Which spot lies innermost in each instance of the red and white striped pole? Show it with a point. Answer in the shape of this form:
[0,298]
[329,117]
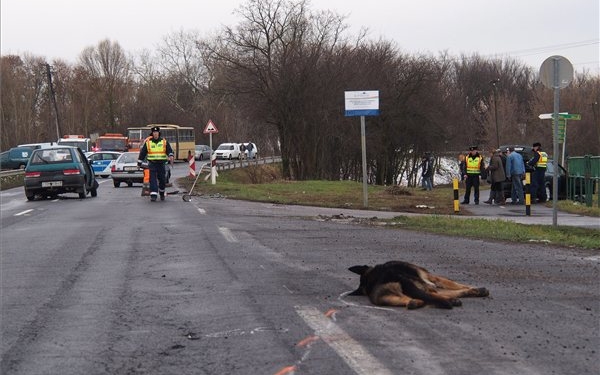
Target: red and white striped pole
[192,165]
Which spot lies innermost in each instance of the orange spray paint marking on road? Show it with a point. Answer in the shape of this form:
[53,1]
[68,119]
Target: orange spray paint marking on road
[307,341]
[286,370]
[331,314]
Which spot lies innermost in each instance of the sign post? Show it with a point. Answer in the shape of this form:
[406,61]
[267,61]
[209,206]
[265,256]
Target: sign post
[556,73]
[362,103]
[210,129]
[562,127]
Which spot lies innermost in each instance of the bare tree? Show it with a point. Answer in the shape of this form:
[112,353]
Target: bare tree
[108,71]
[22,101]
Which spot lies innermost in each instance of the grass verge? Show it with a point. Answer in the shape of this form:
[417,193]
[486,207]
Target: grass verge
[264,184]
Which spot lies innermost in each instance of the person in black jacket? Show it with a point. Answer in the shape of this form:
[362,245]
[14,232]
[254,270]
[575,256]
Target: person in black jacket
[427,172]
[157,151]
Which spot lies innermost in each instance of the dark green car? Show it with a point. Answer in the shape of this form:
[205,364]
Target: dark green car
[58,170]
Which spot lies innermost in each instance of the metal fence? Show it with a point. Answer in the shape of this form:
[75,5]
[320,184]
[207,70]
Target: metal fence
[584,178]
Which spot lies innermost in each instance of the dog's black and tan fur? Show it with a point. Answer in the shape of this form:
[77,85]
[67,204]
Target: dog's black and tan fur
[399,283]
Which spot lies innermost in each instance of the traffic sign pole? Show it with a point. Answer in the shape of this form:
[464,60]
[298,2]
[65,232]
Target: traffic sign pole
[209,129]
[556,73]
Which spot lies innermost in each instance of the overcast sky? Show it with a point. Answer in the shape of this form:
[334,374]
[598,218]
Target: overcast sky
[530,30]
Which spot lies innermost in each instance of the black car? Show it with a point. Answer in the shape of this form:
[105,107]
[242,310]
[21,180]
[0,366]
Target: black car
[58,170]
[527,154]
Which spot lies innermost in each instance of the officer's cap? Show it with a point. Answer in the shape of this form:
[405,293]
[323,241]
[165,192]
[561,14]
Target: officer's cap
[473,148]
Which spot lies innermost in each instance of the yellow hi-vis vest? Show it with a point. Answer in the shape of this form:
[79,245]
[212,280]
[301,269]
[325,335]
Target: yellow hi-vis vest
[543,160]
[156,151]
[473,164]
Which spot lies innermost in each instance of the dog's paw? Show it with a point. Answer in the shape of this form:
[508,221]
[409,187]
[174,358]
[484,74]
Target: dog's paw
[456,302]
[415,304]
[482,292]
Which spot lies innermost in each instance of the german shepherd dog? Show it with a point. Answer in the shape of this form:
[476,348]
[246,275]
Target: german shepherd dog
[399,283]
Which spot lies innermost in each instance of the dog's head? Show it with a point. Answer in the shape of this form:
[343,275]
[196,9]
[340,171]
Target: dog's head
[362,287]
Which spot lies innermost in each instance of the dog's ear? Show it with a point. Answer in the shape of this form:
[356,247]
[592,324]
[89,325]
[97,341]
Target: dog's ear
[360,270]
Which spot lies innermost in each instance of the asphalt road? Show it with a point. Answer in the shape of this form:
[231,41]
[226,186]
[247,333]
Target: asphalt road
[119,285]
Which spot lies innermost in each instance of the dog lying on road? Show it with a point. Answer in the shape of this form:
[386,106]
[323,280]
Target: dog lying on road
[399,283]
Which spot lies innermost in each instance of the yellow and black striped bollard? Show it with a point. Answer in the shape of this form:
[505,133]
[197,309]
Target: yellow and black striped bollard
[527,194]
[455,186]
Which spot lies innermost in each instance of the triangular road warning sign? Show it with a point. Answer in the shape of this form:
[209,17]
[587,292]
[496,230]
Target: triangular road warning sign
[210,128]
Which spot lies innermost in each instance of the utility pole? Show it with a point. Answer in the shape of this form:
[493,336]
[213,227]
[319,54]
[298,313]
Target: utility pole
[596,122]
[52,95]
[495,88]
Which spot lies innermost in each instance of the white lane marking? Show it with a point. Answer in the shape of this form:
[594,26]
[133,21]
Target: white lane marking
[227,234]
[23,212]
[359,359]
[594,258]
[202,211]
[342,299]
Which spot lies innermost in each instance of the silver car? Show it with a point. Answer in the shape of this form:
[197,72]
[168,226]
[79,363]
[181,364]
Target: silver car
[202,152]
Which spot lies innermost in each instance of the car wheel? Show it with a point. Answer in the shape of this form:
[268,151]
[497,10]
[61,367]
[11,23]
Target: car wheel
[94,192]
[83,194]
[30,197]
[130,184]
[116,183]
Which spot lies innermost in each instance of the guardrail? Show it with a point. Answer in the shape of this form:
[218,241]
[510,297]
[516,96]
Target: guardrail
[11,172]
[232,164]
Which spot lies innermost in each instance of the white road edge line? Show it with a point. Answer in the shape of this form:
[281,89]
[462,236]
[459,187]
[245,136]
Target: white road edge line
[202,211]
[227,234]
[357,357]
[23,212]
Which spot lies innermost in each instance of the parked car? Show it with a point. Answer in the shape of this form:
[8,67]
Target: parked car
[203,152]
[562,181]
[254,150]
[228,151]
[125,169]
[15,158]
[58,170]
[102,161]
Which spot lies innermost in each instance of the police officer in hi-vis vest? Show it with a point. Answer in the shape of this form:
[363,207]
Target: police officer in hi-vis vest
[157,151]
[539,161]
[471,172]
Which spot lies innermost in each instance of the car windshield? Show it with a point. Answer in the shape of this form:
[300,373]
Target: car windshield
[225,147]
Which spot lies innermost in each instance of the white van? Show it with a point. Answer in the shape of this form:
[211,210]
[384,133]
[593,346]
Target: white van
[228,151]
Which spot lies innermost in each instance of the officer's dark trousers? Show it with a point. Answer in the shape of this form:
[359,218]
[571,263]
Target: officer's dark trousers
[538,186]
[157,177]
[472,182]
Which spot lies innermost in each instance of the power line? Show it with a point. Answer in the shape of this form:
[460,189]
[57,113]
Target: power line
[546,49]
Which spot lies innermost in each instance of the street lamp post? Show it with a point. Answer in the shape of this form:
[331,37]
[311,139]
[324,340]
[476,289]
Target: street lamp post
[495,88]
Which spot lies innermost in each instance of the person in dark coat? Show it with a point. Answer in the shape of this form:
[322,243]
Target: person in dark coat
[427,172]
[497,178]
[539,161]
